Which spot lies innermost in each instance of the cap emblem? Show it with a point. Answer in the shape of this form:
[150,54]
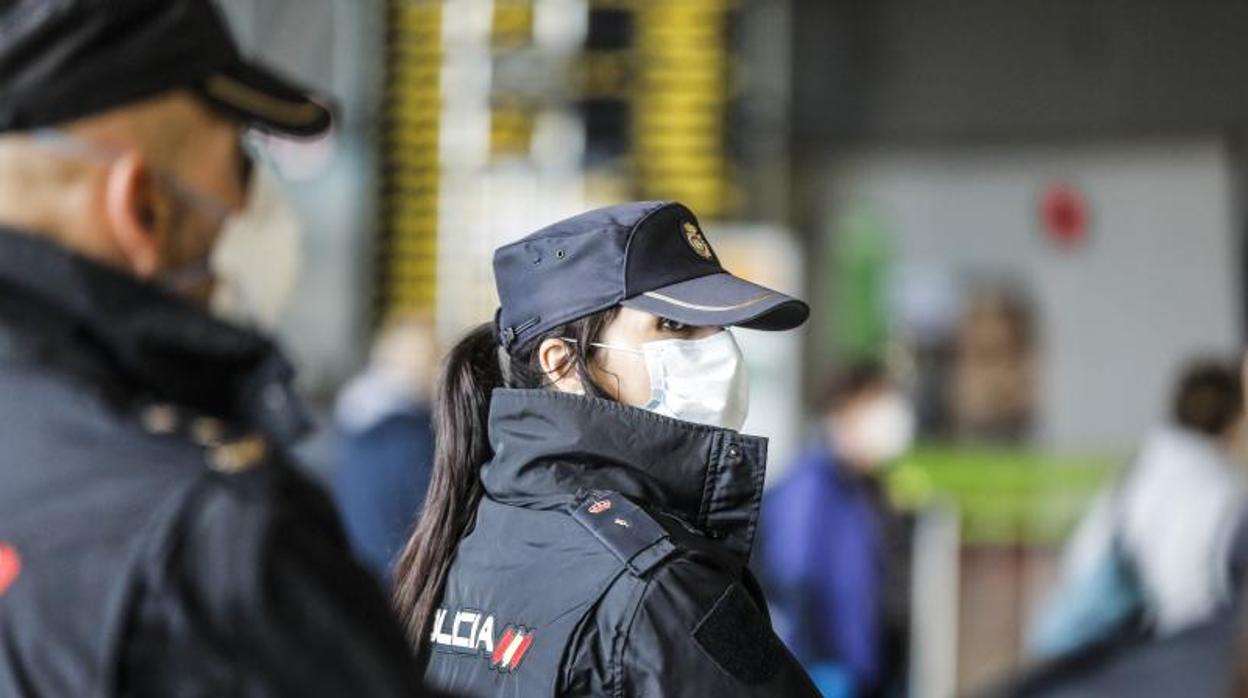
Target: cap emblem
[695,239]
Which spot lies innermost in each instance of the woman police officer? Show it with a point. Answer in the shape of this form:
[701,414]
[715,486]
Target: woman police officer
[593,505]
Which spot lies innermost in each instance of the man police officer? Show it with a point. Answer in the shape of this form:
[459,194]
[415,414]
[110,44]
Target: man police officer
[153,538]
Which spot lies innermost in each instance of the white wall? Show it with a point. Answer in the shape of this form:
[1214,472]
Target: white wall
[1157,282]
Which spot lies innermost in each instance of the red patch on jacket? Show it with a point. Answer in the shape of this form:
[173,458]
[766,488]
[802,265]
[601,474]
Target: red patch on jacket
[511,649]
[10,566]
[600,506]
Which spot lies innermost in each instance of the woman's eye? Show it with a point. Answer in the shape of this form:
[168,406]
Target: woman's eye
[672,325]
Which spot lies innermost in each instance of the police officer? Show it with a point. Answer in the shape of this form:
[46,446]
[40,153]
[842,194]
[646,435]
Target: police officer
[593,504]
[154,540]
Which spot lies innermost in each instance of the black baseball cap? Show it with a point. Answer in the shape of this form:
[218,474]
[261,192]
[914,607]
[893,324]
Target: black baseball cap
[65,59]
[648,255]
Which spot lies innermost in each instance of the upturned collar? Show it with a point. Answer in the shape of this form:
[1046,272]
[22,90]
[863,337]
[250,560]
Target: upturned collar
[550,446]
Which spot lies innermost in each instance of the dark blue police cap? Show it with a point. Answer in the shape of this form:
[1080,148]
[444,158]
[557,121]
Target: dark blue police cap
[65,59]
[649,255]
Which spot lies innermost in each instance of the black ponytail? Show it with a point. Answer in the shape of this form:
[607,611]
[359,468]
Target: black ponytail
[462,401]
[470,373]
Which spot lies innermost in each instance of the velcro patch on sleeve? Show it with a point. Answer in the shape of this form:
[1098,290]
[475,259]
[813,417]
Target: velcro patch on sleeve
[737,636]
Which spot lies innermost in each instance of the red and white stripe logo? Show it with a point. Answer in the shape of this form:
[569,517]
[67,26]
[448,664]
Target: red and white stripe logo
[471,633]
[10,566]
[511,648]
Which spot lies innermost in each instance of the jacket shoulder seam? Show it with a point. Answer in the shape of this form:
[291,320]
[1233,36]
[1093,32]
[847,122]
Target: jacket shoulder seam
[618,677]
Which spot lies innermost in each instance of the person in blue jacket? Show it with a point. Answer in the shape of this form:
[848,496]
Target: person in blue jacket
[828,540]
[384,442]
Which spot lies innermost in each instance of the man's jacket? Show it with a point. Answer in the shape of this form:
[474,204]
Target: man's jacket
[608,558]
[153,539]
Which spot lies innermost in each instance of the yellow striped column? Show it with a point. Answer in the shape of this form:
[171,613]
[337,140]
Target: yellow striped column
[411,158]
[681,103]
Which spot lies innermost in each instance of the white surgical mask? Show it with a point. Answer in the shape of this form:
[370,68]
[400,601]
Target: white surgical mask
[697,380]
[884,430]
[256,261]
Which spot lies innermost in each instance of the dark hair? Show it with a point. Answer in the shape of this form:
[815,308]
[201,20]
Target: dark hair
[852,381]
[1209,397]
[469,375]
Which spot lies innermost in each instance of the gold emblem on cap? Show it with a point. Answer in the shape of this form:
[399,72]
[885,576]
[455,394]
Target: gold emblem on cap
[695,239]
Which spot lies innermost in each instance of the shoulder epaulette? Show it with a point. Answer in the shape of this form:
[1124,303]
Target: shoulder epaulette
[626,529]
[224,451]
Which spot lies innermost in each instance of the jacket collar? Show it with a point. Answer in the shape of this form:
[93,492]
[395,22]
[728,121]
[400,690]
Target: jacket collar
[138,343]
[550,447]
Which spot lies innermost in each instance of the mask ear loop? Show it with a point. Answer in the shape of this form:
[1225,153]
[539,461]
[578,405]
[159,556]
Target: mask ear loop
[567,369]
[609,347]
[176,280]
[67,145]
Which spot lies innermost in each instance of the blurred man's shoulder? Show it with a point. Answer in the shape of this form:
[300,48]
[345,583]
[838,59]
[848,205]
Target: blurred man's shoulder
[63,440]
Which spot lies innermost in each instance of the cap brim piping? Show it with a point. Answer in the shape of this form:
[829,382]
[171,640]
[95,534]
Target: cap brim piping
[723,300]
[261,99]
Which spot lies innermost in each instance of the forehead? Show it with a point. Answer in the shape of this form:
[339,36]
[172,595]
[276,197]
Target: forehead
[640,324]
[631,319]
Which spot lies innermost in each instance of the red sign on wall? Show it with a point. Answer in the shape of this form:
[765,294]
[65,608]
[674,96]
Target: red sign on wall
[1064,215]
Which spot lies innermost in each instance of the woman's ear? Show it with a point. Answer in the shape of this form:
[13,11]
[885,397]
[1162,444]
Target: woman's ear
[130,210]
[559,366]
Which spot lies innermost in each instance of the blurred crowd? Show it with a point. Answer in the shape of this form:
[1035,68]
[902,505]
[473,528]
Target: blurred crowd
[1149,583]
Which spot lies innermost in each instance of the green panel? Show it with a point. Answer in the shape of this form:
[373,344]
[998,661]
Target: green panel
[861,258]
[1003,496]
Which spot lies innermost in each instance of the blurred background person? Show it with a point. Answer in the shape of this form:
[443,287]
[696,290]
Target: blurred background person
[833,554]
[1154,553]
[384,435]
[994,374]
[1151,600]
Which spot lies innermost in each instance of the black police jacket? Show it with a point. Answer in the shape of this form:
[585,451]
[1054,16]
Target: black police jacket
[608,558]
[153,539]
